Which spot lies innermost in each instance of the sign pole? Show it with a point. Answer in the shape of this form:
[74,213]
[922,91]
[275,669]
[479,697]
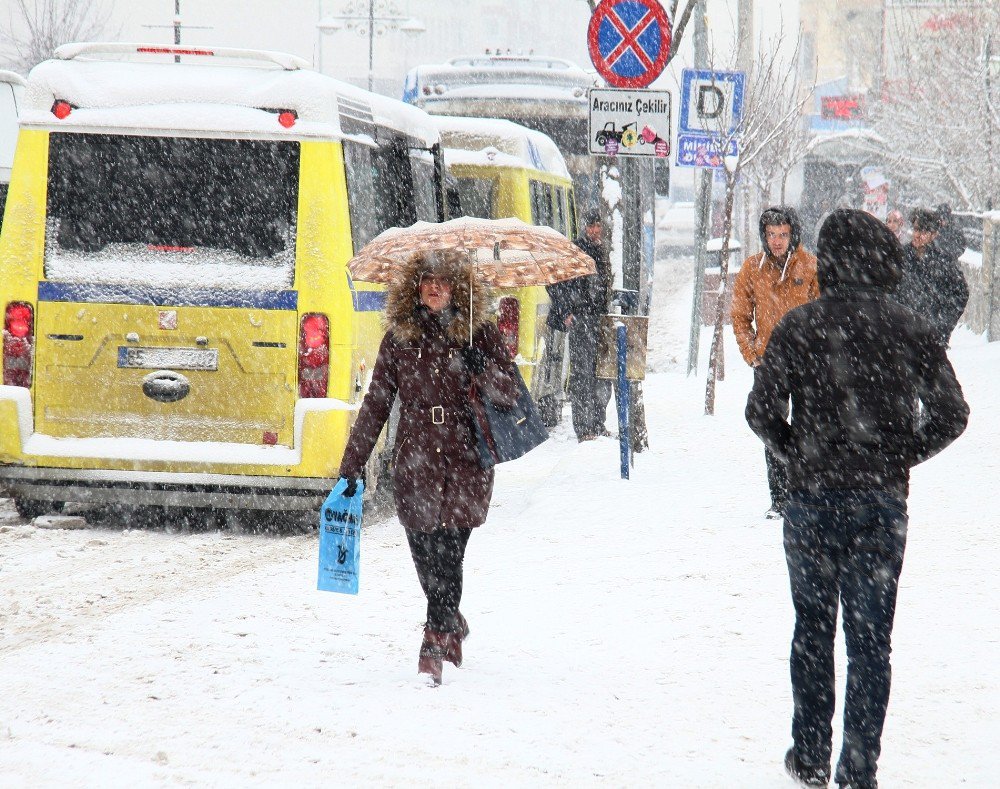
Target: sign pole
[629,44]
[624,429]
[703,198]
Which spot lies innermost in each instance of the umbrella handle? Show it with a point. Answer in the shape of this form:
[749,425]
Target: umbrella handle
[472,265]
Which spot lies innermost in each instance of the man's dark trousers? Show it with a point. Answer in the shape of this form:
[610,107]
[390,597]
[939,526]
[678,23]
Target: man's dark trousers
[777,476]
[588,394]
[843,546]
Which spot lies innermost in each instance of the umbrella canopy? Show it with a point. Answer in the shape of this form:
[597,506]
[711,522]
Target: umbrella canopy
[507,253]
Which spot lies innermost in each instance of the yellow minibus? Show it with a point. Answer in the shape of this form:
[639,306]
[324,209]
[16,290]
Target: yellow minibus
[179,325]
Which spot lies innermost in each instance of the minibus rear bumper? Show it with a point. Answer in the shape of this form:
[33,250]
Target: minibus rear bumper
[164,489]
[145,472]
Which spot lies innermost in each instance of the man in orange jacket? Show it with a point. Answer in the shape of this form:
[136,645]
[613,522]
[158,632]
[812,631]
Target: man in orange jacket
[767,286]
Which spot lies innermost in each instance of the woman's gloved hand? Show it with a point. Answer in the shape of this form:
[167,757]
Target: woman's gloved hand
[474,359]
[352,488]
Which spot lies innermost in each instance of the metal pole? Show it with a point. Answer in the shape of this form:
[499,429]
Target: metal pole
[992,331]
[319,36]
[371,43]
[703,205]
[624,429]
[177,27]
[989,120]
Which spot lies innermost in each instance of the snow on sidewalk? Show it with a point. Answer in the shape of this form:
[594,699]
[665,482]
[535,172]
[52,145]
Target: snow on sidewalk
[623,633]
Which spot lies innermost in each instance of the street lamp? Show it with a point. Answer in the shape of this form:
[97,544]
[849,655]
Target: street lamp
[369,18]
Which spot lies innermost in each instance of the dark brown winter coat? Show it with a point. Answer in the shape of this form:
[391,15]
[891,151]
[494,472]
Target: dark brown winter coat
[437,479]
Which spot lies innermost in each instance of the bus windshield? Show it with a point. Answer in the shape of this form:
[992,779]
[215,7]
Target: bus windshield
[171,211]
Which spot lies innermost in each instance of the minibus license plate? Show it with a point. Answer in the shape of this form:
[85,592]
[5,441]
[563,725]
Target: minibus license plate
[168,358]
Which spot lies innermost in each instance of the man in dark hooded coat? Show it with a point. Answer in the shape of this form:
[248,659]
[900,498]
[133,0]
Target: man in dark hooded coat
[872,394]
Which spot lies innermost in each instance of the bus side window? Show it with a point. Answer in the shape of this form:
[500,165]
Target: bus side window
[360,193]
[425,184]
[550,198]
[541,203]
[395,206]
[561,210]
[476,197]
[573,229]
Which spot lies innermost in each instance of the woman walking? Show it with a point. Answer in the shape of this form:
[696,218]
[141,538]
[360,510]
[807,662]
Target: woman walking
[441,491]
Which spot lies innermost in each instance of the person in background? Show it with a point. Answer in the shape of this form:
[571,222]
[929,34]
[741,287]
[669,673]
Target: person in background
[950,240]
[766,287]
[932,284]
[441,491]
[872,394]
[896,222]
[578,307]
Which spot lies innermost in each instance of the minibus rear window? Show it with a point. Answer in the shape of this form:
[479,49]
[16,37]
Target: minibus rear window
[171,211]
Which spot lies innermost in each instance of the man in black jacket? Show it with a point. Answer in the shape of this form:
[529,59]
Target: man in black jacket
[932,284]
[872,394]
[577,307]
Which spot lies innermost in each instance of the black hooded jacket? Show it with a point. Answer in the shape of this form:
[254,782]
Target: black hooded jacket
[855,364]
[585,296]
[933,286]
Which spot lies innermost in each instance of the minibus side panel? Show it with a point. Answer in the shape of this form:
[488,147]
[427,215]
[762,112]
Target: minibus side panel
[354,308]
[23,235]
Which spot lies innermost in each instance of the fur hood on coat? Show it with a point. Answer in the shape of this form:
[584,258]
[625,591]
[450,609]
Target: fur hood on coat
[403,313]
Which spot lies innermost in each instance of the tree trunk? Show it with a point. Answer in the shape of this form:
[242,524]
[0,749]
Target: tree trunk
[716,363]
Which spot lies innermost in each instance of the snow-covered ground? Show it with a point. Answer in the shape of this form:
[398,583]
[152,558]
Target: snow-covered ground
[624,633]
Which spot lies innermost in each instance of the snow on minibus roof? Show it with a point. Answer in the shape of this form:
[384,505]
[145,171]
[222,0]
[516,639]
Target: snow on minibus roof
[11,77]
[501,143]
[500,70]
[199,96]
[553,86]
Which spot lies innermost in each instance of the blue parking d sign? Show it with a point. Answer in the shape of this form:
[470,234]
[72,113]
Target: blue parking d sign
[711,101]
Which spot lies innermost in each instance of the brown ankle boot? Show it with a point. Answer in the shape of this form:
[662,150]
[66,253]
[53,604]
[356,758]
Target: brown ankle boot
[432,653]
[463,626]
[453,652]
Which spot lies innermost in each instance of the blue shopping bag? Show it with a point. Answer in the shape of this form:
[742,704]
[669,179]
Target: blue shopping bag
[340,540]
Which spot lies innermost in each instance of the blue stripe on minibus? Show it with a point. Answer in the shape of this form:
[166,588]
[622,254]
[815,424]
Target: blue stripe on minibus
[368,300]
[167,297]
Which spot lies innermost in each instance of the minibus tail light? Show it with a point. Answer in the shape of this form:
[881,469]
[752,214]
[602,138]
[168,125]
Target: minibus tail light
[509,323]
[314,355]
[287,118]
[61,109]
[18,344]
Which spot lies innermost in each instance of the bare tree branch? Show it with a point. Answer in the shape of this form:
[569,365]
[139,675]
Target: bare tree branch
[34,28]
[940,110]
[678,31]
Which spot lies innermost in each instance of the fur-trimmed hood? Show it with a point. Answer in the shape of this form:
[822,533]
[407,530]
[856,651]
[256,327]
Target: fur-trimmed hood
[404,315]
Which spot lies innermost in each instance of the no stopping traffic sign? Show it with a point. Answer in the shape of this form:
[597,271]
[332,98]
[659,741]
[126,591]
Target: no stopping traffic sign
[629,41]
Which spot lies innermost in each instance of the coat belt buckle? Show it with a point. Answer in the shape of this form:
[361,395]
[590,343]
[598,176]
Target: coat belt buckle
[437,414]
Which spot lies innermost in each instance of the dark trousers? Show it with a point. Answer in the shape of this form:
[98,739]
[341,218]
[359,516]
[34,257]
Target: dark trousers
[843,547]
[777,476]
[437,557]
[588,394]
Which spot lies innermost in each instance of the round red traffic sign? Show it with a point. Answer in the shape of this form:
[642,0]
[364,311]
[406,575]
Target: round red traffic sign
[629,41]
